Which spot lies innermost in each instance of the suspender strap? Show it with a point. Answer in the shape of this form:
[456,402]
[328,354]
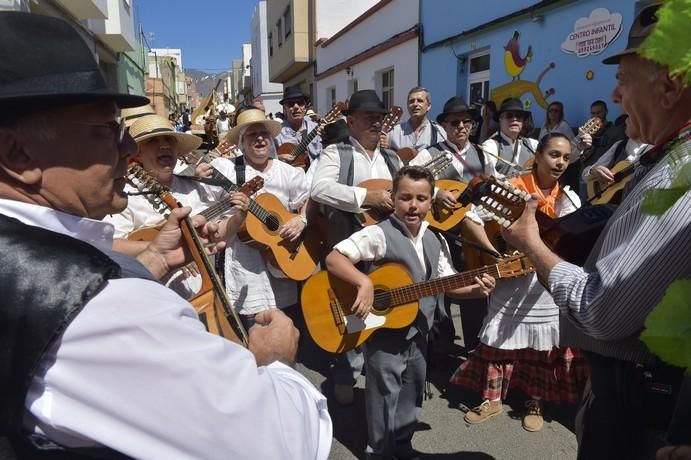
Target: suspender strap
[239,170]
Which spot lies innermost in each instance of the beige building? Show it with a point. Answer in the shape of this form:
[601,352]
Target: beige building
[291,36]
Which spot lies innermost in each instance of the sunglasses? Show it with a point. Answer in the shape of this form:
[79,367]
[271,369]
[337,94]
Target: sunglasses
[299,102]
[467,123]
[117,127]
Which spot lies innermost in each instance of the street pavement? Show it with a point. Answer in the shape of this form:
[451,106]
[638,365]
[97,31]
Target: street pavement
[441,433]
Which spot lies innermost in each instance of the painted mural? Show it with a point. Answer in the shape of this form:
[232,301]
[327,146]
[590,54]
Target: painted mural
[515,64]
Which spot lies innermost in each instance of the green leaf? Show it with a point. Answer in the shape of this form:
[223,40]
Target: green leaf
[657,201]
[668,327]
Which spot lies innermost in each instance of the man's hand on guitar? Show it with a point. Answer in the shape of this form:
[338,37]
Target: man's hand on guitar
[384,141]
[601,174]
[292,229]
[287,157]
[586,141]
[445,199]
[203,170]
[364,299]
[378,199]
[524,233]
[273,338]
[483,286]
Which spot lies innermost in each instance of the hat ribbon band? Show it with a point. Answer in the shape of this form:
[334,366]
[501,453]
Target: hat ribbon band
[154,131]
[77,82]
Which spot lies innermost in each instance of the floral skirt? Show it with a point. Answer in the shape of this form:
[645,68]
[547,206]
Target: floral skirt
[557,375]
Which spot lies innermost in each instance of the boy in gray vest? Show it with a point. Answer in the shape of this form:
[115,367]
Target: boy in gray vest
[395,358]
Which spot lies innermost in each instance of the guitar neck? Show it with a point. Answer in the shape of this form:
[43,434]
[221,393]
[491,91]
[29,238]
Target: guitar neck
[301,148]
[413,292]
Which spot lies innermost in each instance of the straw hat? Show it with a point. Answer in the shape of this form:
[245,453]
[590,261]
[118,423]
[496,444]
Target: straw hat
[150,126]
[250,117]
[131,115]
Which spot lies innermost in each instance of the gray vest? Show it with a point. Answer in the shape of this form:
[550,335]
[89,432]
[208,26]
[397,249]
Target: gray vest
[400,250]
[450,172]
[342,224]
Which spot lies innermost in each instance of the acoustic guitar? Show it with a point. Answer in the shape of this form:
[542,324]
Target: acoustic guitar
[297,259]
[298,152]
[211,303]
[571,236]
[326,301]
[446,219]
[599,193]
[211,214]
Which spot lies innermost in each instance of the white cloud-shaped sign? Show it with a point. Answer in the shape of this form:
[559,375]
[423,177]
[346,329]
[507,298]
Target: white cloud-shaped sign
[592,35]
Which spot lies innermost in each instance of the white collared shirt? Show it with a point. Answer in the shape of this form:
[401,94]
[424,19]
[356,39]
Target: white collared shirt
[137,372]
[506,152]
[325,186]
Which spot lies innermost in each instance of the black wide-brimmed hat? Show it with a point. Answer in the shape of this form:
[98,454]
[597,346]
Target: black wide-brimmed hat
[511,104]
[44,61]
[293,92]
[365,100]
[642,26]
[455,105]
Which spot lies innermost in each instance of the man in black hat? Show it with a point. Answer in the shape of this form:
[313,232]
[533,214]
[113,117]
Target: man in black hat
[96,359]
[507,150]
[340,169]
[627,404]
[295,124]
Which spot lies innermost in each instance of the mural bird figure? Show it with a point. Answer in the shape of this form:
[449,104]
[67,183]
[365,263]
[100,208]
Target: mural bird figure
[513,61]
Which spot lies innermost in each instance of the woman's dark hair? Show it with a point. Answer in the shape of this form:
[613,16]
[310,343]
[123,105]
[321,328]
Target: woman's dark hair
[561,112]
[415,173]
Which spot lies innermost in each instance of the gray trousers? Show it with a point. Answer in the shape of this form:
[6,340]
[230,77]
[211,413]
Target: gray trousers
[395,370]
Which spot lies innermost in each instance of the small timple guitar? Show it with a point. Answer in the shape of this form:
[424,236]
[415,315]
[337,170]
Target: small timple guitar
[298,152]
[211,302]
[571,237]
[326,301]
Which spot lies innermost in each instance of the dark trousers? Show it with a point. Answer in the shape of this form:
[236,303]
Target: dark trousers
[620,416]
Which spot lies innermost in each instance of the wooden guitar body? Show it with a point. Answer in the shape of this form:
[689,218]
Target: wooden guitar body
[611,193]
[145,233]
[210,311]
[326,303]
[374,216]
[302,160]
[406,154]
[473,257]
[298,260]
[444,219]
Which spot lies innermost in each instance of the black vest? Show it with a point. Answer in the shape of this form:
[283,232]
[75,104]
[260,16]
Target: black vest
[46,280]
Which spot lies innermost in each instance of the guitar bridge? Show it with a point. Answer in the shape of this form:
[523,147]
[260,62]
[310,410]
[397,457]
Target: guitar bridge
[337,312]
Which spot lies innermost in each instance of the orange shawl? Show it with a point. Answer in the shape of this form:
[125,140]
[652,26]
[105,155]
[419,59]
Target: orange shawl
[546,204]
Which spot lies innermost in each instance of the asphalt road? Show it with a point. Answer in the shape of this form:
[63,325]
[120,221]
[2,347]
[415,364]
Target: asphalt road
[442,434]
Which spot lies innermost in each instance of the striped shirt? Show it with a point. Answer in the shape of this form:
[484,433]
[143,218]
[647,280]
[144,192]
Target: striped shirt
[628,271]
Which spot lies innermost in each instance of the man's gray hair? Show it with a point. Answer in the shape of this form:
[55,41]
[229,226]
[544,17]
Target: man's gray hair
[421,89]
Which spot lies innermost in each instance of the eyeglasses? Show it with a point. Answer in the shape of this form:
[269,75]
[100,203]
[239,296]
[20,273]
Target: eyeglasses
[299,102]
[118,127]
[467,123]
[554,110]
[510,115]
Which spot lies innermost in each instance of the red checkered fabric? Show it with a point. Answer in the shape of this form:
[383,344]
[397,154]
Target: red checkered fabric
[557,375]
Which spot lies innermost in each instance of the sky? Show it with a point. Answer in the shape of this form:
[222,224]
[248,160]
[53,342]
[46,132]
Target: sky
[209,32]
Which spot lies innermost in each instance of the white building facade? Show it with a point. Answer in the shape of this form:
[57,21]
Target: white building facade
[371,52]
[259,63]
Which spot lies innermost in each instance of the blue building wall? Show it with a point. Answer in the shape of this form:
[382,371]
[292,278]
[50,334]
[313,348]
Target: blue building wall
[575,81]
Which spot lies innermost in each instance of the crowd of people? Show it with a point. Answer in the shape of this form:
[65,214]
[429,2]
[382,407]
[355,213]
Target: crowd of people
[108,349]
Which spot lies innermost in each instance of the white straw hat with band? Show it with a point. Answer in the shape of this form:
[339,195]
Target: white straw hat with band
[150,126]
[249,117]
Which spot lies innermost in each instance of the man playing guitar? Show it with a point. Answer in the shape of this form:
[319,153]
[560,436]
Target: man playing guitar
[295,125]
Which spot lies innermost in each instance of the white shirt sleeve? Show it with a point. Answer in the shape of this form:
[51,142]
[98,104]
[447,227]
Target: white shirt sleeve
[327,190]
[367,244]
[444,267]
[140,374]
[605,159]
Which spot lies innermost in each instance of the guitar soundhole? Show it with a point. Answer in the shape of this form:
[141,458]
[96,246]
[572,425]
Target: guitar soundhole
[272,223]
[382,300]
